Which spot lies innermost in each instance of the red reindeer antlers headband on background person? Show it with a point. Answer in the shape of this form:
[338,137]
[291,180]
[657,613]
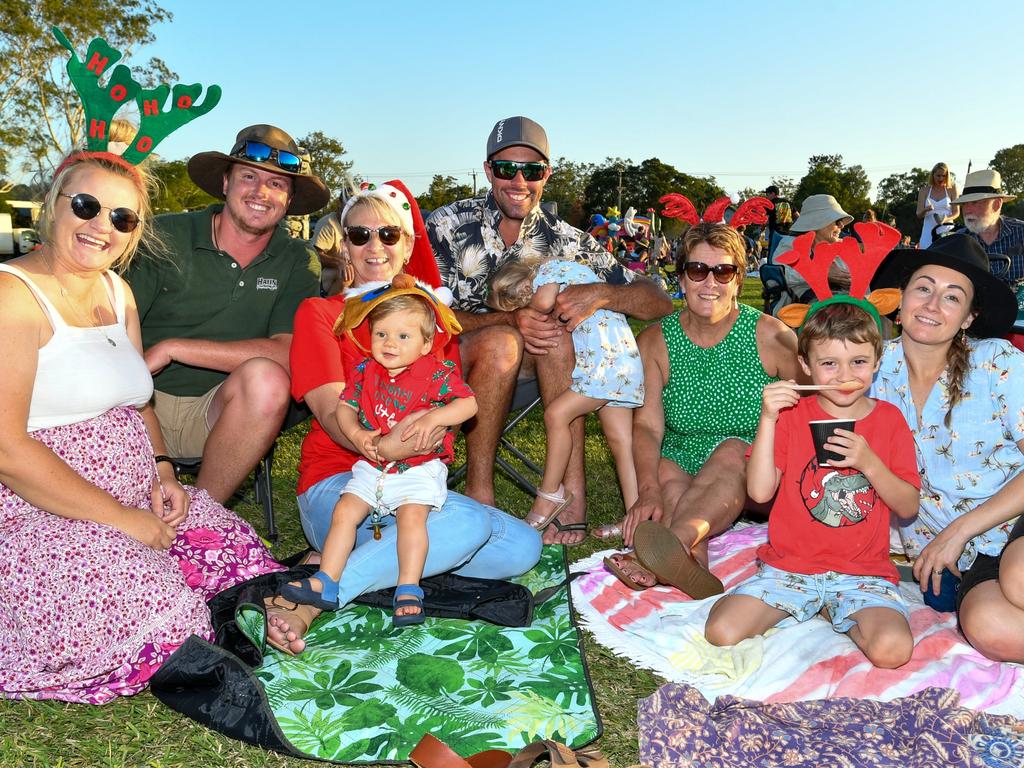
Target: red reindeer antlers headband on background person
[813,265]
[752,211]
[102,102]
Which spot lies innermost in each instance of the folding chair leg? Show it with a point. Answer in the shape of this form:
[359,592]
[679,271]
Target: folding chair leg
[524,485]
[264,492]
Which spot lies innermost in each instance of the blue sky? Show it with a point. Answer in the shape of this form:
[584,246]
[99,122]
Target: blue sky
[740,90]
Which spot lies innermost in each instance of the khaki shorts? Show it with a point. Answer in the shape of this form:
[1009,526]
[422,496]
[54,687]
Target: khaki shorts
[183,422]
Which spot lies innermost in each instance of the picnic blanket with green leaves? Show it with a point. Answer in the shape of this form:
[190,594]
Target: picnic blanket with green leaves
[364,692]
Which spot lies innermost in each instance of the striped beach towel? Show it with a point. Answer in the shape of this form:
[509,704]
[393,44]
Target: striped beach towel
[663,630]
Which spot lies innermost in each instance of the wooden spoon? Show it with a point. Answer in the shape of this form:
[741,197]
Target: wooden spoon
[846,386]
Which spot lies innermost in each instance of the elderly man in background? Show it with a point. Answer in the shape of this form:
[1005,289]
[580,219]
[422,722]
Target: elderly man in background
[471,240]
[981,204]
[217,308]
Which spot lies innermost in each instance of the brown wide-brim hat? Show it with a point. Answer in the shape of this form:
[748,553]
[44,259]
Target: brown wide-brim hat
[995,301]
[309,193]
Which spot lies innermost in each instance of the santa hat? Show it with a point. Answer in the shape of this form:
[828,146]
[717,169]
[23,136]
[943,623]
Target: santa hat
[421,263]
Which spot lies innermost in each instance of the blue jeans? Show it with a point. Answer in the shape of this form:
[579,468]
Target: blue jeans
[466,537]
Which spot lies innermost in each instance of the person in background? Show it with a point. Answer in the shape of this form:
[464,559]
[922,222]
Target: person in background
[935,204]
[982,203]
[822,215]
[329,243]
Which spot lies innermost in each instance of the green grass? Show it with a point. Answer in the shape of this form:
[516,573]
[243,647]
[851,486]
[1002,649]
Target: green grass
[139,731]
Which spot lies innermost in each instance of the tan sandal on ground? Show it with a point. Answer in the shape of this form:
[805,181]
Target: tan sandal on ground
[433,753]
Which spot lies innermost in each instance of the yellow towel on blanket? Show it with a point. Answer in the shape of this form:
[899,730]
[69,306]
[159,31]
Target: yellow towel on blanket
[699,657]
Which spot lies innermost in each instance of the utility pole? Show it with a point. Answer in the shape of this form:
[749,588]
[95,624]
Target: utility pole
[474,181]
[620,190]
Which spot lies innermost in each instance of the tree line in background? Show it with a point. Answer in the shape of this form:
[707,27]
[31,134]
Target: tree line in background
[41,119]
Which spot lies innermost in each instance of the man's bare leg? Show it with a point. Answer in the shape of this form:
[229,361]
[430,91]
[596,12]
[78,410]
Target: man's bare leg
[246,416]
[554,374]
[491,358]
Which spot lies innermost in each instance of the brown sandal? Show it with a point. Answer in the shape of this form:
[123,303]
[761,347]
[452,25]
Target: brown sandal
[618,572]
[433,753]
[660,551]
[300,618]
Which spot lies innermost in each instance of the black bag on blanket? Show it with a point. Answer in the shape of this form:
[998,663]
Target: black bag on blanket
[450,596]
[446,596]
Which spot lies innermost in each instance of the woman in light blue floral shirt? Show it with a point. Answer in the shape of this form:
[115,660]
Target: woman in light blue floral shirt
[964,400]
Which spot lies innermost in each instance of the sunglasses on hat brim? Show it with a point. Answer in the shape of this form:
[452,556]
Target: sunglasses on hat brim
[507,169]
[86,207]
[258,152]
[698,271]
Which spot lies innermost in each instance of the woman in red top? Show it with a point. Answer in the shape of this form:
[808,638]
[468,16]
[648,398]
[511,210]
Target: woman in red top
[383,235]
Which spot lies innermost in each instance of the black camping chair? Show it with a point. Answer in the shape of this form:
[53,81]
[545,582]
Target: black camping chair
[525,398]
[262,488]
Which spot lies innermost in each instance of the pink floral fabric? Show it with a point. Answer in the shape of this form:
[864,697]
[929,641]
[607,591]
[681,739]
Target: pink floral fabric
[88,613]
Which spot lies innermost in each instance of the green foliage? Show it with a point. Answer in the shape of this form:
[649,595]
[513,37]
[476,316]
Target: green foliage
[443,190]
[1010,164]
[473,640]
[340,688]
[428,675]
[40,114]
[177,192]
[643,185]
[826,175]
[566,187]
[897,198]
[325,158]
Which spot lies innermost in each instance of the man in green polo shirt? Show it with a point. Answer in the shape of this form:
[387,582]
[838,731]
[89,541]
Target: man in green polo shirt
[217,308]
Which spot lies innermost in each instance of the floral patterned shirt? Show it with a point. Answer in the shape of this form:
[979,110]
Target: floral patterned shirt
[469,248]
[963,466]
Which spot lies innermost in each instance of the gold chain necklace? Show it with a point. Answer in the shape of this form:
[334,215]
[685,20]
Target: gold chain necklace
[64,294]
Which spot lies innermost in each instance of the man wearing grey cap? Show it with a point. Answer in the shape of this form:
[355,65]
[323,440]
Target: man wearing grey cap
[472,239]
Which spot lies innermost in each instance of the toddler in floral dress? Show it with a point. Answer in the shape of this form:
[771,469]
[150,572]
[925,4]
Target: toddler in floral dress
[608,378]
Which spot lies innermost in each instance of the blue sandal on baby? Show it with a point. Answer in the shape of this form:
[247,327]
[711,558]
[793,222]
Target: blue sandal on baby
[413,595]
[304,594]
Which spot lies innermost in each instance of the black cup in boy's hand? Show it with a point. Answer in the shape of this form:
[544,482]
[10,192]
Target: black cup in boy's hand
[821,431]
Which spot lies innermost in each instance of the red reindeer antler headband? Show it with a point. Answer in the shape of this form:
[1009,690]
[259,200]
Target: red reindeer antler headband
[752,211]
[813,265]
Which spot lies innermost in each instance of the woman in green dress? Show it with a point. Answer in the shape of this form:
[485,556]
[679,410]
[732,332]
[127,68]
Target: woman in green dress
[704,369]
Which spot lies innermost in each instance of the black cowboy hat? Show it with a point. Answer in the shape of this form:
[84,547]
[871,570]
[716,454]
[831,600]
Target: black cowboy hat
[995,302]
[309,193]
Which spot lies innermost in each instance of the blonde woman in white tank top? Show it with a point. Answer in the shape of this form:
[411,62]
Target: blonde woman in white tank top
[935,202]
[106,560]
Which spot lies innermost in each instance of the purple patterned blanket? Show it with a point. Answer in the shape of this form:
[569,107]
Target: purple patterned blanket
[928,729]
